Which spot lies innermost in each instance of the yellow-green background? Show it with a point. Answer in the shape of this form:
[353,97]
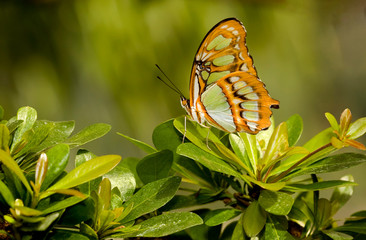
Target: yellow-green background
[93,61]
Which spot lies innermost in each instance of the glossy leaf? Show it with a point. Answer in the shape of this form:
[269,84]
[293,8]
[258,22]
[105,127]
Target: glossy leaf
[122,178]
[277,144]
[319,185]
[88,134]
[294,129]
[278,203]
[166,224]
[337,235]
[332,121]
[219,216]
[324,212]
[155,166]
[87,230]
[152,196]
[345,121]
[85,172]
[357,129]
[341,195]
[274,230]
[29,116]
[9,162]
[60,205]
[356,227]
[58,157]
[81,157]
[238,146]
[166,136]
[198,135]
[238,233]
[332,163]
[250,143]
[254,219]
[143,146]
[265,135]
[69,235]
[210,161]
[4,137]
[6,194]
[59,132]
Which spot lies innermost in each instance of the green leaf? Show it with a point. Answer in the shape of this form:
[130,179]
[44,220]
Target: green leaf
[9,162]
[81,157]
[58,156]
[166,136]
[274,230]
[332,163]
[59,132]
[319,185]
[332,121]
[238,146]
[69,235]
[278,203]
[87,230]
[194,171]
[198,135]
[294,129]
[29,117]
[143,146]
[130,163]
[167,224]
[152,196]
[218,216]
[238,233]
[208,160]
[277,145]
[356,227]
[122,178]
[88,134]
[228,231]
[4,137]
[32,139]
[324,213]
[269,186]
[254,219]
[85,172]
[341,195]
[6,194]
[357,129]
[155,166]
[61,205]
[250,143]
[265,135]
[337,235]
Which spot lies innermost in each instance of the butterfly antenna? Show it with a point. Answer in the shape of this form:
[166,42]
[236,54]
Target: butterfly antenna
[172,86]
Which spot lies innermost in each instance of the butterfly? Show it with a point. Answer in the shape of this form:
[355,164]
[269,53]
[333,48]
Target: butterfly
[225,90]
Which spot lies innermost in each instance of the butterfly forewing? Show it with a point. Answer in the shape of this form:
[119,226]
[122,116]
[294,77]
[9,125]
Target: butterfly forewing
[224,88]
[222,51]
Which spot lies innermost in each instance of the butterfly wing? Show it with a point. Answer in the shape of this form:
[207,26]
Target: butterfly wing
[243,105]
[238,102]
[222,51]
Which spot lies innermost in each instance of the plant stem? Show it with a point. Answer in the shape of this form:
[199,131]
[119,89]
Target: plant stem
[315,199]
[301,161]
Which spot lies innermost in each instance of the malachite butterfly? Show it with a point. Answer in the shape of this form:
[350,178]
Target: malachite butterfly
[225,90]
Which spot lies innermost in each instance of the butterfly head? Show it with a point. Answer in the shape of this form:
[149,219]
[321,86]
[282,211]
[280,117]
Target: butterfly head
[185,104]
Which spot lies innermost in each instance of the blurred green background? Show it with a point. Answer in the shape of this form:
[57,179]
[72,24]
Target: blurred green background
[93,61]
